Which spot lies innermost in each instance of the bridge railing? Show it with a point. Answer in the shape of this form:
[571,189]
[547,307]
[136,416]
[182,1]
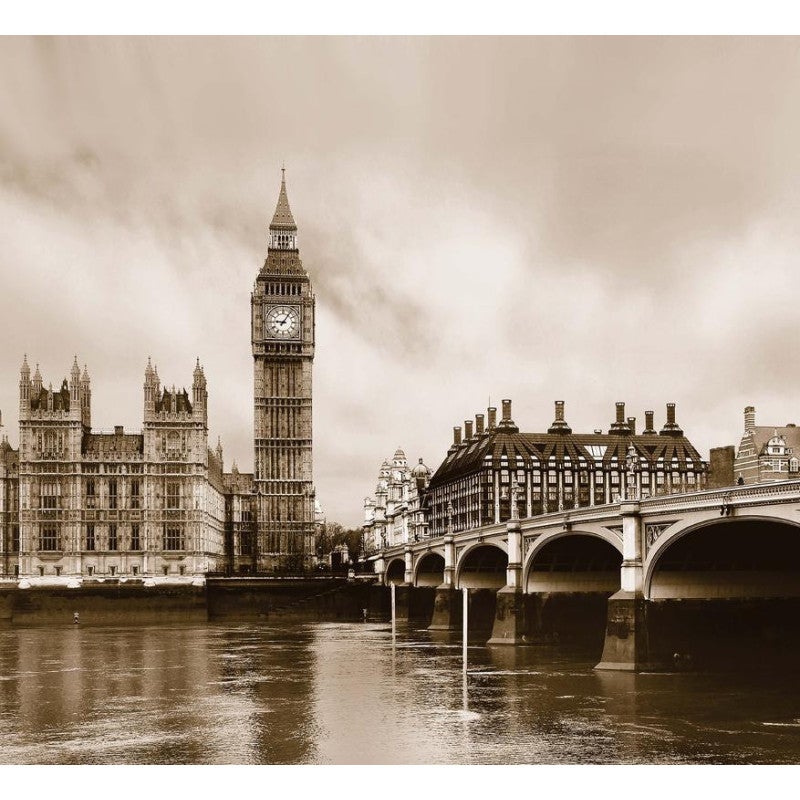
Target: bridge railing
[752,493]
[781,491]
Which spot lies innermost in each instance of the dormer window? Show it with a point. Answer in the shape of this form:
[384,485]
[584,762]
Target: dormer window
[776,446]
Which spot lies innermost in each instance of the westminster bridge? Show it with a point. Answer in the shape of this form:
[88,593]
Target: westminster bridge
[676,580]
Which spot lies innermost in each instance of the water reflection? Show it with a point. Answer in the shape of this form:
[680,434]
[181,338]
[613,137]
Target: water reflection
[359,693]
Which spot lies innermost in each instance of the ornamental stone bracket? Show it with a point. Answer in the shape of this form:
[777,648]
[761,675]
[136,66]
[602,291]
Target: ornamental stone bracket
[652,530]
[527,544]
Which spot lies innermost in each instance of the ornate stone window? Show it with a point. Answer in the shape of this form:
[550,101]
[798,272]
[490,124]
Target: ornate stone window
[48,537]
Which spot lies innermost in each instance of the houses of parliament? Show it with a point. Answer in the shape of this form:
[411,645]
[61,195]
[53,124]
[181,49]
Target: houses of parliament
[156,503]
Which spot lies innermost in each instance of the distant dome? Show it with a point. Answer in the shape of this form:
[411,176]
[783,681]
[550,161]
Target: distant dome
[399,455]
[420,471]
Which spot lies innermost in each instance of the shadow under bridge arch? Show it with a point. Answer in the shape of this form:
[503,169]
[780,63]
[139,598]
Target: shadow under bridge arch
[725,594]
[568,579]
[396,571]
[429,570]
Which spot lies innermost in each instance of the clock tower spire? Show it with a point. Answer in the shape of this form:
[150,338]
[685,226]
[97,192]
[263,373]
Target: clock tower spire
[282,328]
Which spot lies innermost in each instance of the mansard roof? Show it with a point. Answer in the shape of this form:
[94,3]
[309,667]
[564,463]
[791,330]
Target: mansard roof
[499,448]
[116,445]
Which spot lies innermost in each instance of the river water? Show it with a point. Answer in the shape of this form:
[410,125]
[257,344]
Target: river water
[354,693]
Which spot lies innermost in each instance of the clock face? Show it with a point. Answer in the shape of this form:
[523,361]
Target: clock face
[283,322]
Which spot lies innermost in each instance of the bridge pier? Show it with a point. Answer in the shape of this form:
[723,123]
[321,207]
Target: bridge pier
[625,646]
[380,569]
[447,609]
[509,616]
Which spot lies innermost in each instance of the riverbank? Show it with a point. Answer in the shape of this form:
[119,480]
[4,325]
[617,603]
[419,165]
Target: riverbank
[149,602]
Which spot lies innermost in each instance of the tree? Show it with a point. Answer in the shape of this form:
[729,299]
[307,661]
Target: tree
[334,534]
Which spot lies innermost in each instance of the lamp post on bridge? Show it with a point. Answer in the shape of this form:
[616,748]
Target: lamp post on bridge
[632,463]
[449,550]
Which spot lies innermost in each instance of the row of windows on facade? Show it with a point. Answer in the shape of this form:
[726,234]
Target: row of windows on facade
[777,465]
[50,491]
[172,536]
[112,570]
[283,240]
[52,442]
[475,500]
[284,288]
[570,477]
[89,468]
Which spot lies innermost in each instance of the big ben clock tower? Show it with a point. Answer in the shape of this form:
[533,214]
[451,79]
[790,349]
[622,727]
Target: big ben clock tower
[282,309]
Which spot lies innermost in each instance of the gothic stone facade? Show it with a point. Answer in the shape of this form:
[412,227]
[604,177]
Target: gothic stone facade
[96,504]
[282,315]
[77,503]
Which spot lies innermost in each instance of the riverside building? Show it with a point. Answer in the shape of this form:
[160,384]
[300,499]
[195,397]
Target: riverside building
[556,470]
[397,513]
[77,503]
[767,452]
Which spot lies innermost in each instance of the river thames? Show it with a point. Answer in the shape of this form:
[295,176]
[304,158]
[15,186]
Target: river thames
[356,694]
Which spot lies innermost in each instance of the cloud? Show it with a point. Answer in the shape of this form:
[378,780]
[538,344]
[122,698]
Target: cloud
[591,219]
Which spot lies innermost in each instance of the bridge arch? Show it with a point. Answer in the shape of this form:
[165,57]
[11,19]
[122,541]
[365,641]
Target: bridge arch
[395,571]
[429,569]
[608,556]
[742,556]
[482,565]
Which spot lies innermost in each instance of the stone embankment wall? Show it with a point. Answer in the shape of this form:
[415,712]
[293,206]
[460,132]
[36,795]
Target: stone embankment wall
[320,600]
[104,604]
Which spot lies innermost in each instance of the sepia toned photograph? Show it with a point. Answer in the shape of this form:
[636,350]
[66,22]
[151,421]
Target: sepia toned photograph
[399,400]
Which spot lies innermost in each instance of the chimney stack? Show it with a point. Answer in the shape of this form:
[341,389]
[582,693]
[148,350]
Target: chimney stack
[620,426]
[456,435]
[648,423]
[749,419]
[559,423]
[507,424]
[632,425]
[492,417]
[671,428]
[479,424]
[467,428]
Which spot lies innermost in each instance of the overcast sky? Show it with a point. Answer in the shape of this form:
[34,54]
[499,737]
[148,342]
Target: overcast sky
[588,220]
